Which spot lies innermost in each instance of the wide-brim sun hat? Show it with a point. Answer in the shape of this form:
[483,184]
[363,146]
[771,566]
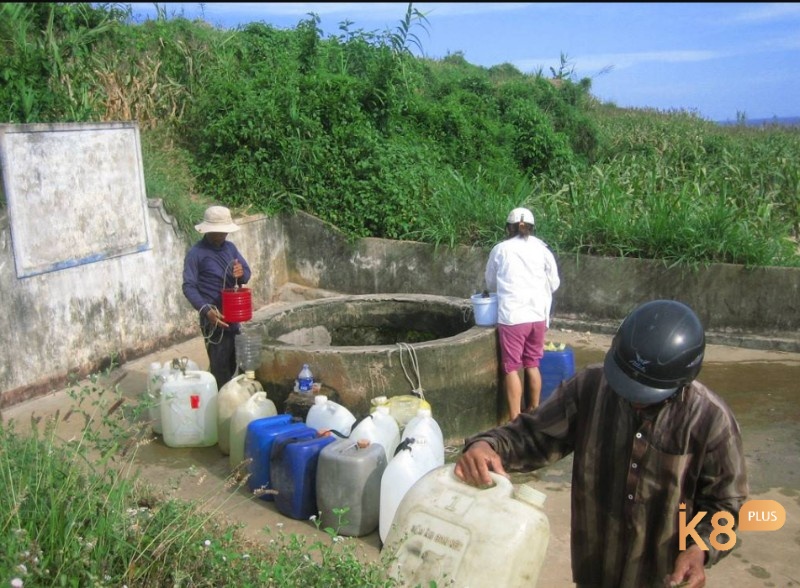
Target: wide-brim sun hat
[520,215]
[217,219]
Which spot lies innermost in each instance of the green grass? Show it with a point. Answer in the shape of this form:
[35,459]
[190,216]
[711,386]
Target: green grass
[72,513]
[354,129]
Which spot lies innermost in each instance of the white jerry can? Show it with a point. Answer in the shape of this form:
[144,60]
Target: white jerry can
[189,409]
[232,395]
[449,532]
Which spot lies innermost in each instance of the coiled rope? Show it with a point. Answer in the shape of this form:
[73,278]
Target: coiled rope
[209,339]
[416,389]
[466,312]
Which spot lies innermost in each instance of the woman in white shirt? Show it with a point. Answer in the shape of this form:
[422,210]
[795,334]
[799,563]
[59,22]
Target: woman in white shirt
[523,272]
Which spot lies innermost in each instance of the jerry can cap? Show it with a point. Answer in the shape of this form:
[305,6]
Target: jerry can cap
[531,495]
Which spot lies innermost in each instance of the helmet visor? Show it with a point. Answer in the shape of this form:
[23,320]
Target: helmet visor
[631,389]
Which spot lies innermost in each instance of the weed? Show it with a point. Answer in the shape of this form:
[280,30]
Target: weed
[73,512]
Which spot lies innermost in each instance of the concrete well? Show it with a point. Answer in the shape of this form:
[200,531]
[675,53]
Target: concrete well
[363,346]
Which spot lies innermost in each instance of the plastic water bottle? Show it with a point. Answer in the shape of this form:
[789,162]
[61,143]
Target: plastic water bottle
[305,379]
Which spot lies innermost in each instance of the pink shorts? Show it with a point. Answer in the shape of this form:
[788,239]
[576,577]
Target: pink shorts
[521,345]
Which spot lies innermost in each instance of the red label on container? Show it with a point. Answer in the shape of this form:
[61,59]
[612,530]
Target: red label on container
[195,400]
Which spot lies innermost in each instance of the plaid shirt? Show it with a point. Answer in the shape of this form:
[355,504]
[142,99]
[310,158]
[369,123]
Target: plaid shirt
[632,470]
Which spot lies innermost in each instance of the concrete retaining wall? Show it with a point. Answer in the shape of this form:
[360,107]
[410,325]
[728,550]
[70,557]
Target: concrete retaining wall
[757,308]
[72,318]
[73,321]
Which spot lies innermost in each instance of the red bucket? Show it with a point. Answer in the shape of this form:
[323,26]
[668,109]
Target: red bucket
[237,305]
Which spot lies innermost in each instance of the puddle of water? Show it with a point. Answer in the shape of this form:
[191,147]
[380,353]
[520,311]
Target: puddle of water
[760,393]
[763,395]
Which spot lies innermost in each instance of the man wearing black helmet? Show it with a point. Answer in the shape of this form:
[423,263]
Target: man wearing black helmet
[647,438]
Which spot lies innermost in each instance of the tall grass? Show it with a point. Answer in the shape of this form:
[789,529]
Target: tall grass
[169,177]
[682,191]
[73,513]
[469,209]
[356,130]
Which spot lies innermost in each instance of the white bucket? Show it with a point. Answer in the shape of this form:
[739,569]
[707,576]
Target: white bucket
[450,532]
[484,309]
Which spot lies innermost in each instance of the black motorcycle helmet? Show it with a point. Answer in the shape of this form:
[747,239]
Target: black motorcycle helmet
[656,351]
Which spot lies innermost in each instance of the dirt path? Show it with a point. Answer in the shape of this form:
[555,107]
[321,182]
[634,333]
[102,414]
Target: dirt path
[772,445]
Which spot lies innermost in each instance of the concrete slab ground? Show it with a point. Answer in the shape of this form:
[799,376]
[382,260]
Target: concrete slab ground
[202,474]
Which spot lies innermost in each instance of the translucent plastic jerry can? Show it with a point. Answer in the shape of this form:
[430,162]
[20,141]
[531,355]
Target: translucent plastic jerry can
[155,379]
[415,457]
[327,415]
[425,426]
[156,376]
[189,409]
[379,427]
[236,392]
[403,407]
[452,533]
[349,477]
[257,406]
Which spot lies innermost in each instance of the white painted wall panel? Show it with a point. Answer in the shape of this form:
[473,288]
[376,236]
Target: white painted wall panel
[81,185]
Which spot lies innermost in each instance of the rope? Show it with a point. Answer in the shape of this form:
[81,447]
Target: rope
[416,390]
[466,312]
[209,339]
[225,275]
[180,363]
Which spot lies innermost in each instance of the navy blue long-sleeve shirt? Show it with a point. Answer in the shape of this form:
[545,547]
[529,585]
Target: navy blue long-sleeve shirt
[207,269]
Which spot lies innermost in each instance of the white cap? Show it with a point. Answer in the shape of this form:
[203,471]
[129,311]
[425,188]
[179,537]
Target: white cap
[520,215]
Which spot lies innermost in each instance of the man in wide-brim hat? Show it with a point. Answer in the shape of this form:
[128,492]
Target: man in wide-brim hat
[210,266]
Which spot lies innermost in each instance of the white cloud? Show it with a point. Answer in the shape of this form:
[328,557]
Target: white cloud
[357,11]
[471,8]
[770,12]
[590,63]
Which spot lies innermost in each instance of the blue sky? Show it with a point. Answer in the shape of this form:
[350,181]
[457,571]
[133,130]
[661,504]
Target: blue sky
[715,59]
